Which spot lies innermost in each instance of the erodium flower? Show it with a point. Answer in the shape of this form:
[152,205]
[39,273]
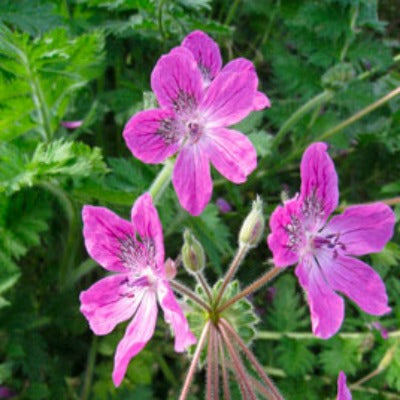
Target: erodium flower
[193,121]
[324,250]
[208,56]
[343,390]
[134,251]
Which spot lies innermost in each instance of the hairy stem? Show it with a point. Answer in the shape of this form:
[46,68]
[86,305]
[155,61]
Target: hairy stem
[189,293]
[239,256]
[238,367]
[214,346]
[212,368]
[162,180]
[225,374]
[360,114]
[195,360]
[200,278]
[231,12]
[250,356]
[271,274]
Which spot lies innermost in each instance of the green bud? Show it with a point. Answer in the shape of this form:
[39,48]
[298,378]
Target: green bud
[253,226]
[193,257]
[338,76]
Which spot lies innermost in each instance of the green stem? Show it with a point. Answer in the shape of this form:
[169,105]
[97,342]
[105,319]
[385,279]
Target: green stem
[359,115]
[297,115]
[89,369]
[39,101]
[73,226]
[267,335]
[169,375]
[231,12]
[160,19]
[350,37]
[162,180]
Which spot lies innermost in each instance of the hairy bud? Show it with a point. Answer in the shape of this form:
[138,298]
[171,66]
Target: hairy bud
[170,268]
[193,257]
[253,226]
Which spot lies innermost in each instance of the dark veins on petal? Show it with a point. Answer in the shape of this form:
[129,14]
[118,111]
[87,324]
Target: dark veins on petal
[184,103]
[135,254]
[168,131]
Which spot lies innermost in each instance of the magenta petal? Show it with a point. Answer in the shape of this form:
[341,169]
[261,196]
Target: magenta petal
[319,185]
[326,307]
[284,231]
[176,80]
[109,302]
[229,98]
[192,180]
[206,52]
[147,223]
[261,101]
[343,390]
[363,229]
[358,281]
[232,154]
[174,316]
[103,232]
[152,135]
[138,333]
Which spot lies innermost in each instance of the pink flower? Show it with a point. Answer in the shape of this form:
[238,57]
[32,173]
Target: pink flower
[193,121]
[135,252]
[343,390]
[324,250]
[223,206]
[71,124]
[208,56]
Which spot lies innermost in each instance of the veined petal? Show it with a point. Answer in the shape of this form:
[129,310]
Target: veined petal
[110,301]
[104,234]
[363,229]
[232,154]
[174,316]
[358,281]
[326,307]
[176,81]
[138,333]
[343,390]
[229,98]
[152,135]
[191,179]
[319,185]
[147,223]
[240,64]
[286,239]
[206,52]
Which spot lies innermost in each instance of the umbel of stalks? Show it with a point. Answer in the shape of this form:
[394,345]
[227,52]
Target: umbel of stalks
[193,257]
[253,226]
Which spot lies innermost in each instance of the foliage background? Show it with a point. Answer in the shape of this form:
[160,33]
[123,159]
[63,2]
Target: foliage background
[90,60]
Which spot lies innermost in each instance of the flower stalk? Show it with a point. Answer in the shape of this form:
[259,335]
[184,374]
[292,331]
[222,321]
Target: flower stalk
[162,180]
[271,274]
[195,360]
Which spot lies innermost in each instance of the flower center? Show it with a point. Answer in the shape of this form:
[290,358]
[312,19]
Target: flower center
[330,242]
[194,131]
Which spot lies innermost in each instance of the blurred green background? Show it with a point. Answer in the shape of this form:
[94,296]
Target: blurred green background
[326,66]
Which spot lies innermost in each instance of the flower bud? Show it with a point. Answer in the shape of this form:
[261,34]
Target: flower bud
[193,257]
[170,268]
[253,226]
